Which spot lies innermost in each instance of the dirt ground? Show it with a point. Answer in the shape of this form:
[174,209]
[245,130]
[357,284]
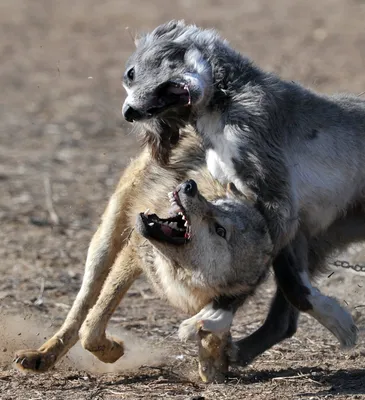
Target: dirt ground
[63,145]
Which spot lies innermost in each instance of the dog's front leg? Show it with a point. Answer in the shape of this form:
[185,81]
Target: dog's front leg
[214,353]
[291,256]
[215,317]
[280,324]
[211,328]
[92,334]
[111,236]
[291,273]
[103,249]
[295,293]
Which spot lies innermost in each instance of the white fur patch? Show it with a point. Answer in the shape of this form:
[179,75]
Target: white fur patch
[331,315]
[130,97]
[225,147]
[208,319]
[195,60]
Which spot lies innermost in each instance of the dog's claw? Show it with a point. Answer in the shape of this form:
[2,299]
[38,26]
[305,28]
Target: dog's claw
[34,361]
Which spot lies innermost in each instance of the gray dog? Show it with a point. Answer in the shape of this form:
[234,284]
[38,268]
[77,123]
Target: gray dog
[300,152]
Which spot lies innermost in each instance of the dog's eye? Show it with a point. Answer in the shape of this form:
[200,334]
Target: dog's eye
[220,231]
[130,74]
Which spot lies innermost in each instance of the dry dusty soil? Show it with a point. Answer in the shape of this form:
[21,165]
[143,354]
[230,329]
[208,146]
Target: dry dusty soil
[63,145]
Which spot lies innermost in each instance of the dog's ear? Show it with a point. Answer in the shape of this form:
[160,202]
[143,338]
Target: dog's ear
[248,196]
[170,30]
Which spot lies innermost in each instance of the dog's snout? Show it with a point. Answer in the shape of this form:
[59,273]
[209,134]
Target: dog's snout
[190,188]
[131,114]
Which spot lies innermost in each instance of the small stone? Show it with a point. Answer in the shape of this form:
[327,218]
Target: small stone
[319,34]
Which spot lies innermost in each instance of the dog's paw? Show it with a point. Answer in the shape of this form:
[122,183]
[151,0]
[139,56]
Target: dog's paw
[188,330]
[344,328]
[34,361]
[336,319]
[208,319]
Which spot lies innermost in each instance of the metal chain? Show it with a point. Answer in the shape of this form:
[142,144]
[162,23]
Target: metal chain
[347,265]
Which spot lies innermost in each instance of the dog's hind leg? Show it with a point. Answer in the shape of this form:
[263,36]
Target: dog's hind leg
[106,243]
[92,334]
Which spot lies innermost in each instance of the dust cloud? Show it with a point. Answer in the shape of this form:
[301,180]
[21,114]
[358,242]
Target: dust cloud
[22,332]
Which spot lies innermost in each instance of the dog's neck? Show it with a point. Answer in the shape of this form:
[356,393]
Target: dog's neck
[242,94]
[243,101]
[231,73]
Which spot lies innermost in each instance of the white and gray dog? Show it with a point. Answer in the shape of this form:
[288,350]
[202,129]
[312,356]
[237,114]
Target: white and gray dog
[300,152]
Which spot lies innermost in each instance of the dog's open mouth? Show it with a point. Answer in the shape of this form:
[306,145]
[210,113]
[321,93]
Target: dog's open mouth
[168,95]
[174,230]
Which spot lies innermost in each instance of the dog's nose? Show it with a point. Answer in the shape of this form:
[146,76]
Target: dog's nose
[190,188]
[131,114]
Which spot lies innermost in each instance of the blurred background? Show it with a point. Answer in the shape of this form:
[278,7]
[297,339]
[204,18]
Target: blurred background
[63,142]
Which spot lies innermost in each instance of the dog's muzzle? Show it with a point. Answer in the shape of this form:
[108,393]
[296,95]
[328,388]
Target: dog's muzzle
[170,95]
[189,188]
[131,114]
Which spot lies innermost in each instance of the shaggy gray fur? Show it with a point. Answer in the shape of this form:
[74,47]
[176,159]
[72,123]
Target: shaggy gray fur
[301,152]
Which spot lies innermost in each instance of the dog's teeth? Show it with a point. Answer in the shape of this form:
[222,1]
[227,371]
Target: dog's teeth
[186,223]
[147,211]
[170,194]
[183,217]
[151,224]
[180,213]
[173,203]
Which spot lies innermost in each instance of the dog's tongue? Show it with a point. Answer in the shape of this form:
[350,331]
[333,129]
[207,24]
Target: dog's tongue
[166,230]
